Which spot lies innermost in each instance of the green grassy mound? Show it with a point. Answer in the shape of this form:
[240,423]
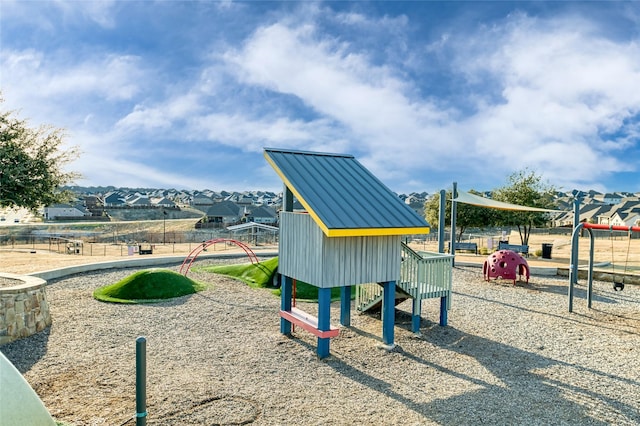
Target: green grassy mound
[149,286]
[256,275]
[261,275]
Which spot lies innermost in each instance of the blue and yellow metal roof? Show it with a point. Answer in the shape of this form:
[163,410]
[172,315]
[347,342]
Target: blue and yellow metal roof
[343,197]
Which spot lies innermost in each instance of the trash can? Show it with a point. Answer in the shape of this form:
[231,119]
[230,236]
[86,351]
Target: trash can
[546,250]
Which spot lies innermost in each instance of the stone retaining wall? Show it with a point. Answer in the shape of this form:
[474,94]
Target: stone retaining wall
[23,307]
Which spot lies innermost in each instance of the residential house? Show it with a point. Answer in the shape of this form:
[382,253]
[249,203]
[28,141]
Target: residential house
[61,211]
[264,215]
[139,200]
[625,219]
[163,202]
[224,213]
[612,198]
[92,202]
[202,202]
[114,199]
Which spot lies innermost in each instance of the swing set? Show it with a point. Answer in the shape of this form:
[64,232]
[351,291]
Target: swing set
[618,285]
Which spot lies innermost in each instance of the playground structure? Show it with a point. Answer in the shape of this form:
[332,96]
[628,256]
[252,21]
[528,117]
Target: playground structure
[506,265]
[191,257]
[573,266]
[342,240]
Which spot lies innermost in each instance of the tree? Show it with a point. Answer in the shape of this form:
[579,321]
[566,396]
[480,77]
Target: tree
[31,163]
[525,188]
[467,215]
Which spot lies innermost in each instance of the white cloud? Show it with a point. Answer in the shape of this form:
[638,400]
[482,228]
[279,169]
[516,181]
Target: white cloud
[163,116]
[252,135]
[556,95]
[562,87]
[375,106]
[61,91]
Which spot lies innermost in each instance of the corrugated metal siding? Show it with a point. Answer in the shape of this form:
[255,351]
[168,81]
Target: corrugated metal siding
[300,248]
[357,260]
[308,255]
[341,192]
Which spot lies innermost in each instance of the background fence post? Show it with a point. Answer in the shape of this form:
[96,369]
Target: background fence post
[141,381]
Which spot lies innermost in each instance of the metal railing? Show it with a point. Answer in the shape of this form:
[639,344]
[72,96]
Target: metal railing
[423,275]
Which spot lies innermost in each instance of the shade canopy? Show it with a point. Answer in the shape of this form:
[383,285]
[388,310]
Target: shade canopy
[476,200]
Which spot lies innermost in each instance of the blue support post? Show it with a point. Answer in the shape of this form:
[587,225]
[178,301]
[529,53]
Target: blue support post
[388,312]
[345,305]
[286,286]
[324,320]
[444,306]
[415,317]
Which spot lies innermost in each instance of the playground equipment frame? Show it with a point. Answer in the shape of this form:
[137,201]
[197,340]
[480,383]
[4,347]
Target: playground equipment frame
[573,266]
[191,257]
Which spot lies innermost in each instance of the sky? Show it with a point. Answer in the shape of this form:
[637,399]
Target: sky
[186,94]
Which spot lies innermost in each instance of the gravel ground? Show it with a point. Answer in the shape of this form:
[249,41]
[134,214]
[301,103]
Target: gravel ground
[510,355]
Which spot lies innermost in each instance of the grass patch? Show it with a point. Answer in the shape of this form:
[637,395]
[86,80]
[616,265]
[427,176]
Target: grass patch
[148,286]
[260,275]
[256,275]
[309,293]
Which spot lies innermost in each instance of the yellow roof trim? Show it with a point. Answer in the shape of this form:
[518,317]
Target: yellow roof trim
[375,232]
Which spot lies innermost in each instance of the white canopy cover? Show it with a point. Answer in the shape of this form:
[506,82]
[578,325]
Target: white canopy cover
[476,200]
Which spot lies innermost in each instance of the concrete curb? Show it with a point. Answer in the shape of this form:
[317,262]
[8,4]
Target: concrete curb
[133,263]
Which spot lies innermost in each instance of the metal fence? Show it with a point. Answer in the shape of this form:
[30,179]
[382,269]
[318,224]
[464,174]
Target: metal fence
[115,243]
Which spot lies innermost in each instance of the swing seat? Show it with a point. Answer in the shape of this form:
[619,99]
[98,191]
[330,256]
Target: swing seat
[619,285]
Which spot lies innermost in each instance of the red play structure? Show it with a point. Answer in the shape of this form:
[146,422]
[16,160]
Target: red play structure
[188,261]
[505,264]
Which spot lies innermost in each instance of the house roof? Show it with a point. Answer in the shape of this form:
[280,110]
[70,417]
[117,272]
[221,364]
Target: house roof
[262,211]
[223,209]
[342,196]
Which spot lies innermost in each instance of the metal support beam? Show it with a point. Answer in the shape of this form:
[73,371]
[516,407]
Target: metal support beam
[141,381]
[574,253]
[416,315]
[287,199]
[345,305]
[388,312]
[441,220]
[444,306]
[573,266]
[454,194]
[286,291]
